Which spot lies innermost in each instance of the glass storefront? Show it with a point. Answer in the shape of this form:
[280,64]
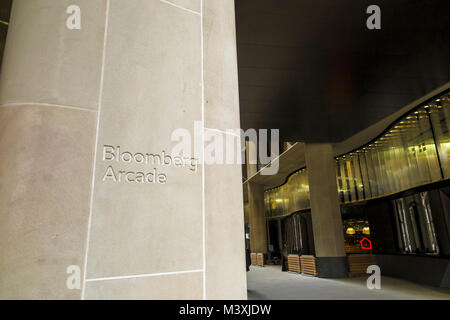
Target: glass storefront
[357,235]
[414,223]
[402,172]
[412,152]
[298,235]
[289,197]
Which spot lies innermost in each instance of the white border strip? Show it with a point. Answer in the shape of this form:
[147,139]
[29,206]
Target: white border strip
[203,151]
[180,7]
[100,97]
[144,275]
[42,104]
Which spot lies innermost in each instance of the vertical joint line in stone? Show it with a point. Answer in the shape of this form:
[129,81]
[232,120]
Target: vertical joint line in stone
[203,152]
[99,109]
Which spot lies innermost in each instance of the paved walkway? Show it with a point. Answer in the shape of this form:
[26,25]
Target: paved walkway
[272,284]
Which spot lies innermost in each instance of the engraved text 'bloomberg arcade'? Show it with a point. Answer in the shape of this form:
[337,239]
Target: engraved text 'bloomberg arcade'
[114,155]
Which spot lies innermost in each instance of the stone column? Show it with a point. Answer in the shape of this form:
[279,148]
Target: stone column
[280,234]
[325,211]
[258,226]
[256,210]
[87,178]
[49,96]
[225,264]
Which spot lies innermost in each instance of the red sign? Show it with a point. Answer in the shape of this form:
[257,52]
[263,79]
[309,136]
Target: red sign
[366,244]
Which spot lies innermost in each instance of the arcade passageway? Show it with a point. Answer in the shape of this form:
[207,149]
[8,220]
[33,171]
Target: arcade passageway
[109,110]
[270,283]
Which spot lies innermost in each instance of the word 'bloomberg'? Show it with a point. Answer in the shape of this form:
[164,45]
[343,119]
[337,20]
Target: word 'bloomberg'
[111,153]
[115,155]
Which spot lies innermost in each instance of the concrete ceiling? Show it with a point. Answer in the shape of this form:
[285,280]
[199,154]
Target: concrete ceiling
[288,162]
[294,158]
[312,68]
[5,9]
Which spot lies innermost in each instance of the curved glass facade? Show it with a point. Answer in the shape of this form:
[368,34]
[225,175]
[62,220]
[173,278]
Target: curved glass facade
[289,197]
[413,151]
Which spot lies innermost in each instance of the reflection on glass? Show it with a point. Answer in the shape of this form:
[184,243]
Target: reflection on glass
[414,151]
[439,111]
[405,156]
[355,230]
[290,197]
[415,225]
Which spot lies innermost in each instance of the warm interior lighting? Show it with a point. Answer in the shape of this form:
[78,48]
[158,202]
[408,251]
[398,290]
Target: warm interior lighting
[366,230]
[350,231]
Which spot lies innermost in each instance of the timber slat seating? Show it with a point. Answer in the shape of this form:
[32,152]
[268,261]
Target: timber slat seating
[260,259]
[308,265]
[294,263]
[358,263]
[253,259]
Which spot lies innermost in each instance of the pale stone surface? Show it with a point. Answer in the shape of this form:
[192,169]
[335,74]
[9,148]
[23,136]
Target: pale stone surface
[165,92]
[45,178]
[46,62]
[155,288]
[220,65]
[325,209]
[225,236]
[152,87]
[193,5]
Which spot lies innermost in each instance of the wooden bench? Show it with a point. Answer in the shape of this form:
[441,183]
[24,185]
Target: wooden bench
[294,263]
[260,259]
[253,259]
[358,263]
[308,265]
[354,249]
